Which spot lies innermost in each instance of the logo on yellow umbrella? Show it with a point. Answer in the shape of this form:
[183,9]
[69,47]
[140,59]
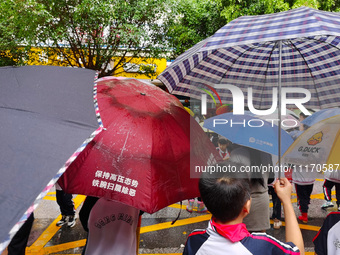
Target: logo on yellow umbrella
[315,139]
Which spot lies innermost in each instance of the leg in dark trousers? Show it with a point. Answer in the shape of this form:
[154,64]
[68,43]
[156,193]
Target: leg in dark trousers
[65,203]
[327,190]
[303,193]
[18,244]
[276,204]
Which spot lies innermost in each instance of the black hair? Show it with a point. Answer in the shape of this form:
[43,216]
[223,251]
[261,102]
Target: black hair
[255,160]
[303,115]
[224,195]
[223,141]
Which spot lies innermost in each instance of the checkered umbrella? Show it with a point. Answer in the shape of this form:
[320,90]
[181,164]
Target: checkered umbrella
[247,53]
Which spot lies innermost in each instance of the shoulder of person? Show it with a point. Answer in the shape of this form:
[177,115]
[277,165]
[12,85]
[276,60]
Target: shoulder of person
[265,242]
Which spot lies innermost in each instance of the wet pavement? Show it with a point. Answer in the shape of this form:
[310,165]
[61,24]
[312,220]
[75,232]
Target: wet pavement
[158,235]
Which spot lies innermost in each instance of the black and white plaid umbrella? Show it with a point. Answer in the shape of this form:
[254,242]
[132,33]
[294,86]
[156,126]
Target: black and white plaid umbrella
[247,53]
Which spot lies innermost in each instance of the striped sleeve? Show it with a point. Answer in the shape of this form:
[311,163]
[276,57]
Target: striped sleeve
[261,244]
[320,239]
[195,240]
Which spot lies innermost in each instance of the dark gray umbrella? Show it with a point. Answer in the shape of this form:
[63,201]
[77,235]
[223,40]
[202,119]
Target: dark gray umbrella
[47,113]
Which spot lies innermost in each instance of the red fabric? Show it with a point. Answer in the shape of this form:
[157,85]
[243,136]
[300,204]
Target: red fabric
[234,233]
[150,146]
[288,174]
[200,232]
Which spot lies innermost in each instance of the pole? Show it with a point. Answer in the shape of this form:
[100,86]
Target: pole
[279,112]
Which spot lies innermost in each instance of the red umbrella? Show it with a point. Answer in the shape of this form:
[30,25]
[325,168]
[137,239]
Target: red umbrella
[148,148]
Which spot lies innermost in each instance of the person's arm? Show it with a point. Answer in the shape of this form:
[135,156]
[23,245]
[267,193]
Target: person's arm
[85,211]
[283,188]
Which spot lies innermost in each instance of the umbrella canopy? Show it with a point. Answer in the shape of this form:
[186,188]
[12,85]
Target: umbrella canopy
[47,113]
[265,62]
[147,153]
[298,48]
[321,115]
[249,131]
[189,111]
[317,148]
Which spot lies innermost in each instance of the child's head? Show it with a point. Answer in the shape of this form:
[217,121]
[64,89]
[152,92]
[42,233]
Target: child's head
[302,116]
[225,195]
[223,144]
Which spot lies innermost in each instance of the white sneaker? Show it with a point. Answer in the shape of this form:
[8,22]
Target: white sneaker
[71,221]
[277,224]
[327,204]
[62,221]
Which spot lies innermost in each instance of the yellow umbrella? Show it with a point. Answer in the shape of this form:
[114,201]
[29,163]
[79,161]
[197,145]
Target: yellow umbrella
[189,111]
[317,148]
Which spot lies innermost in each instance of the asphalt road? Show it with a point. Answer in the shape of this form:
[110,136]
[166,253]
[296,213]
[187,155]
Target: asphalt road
[157,236]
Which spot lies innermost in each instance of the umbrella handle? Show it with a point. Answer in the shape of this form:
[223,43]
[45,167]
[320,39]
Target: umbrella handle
[173,222]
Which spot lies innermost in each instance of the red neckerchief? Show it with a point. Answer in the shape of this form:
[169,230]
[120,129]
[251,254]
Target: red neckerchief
[234,233]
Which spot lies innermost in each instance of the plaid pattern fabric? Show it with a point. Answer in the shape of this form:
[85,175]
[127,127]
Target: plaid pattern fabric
[245,53]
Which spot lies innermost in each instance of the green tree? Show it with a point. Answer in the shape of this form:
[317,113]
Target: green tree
[10,54]
[329,5]
[195,21]
[88,33]
[233,9]
[308,3]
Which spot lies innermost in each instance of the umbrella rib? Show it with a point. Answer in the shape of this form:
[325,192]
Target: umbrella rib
[227,70]
[270,56]
[319,41]
[311,74]
[16,109]
[36,113]
[250,48]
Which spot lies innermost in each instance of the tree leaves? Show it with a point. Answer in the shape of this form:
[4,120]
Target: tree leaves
[87,33]
[90,33]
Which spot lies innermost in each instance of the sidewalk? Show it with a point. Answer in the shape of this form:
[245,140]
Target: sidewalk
[158,236]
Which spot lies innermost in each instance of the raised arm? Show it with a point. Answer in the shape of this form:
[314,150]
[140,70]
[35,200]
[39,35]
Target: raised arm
[283,189]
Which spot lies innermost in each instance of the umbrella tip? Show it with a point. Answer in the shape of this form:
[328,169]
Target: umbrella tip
[143,94]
